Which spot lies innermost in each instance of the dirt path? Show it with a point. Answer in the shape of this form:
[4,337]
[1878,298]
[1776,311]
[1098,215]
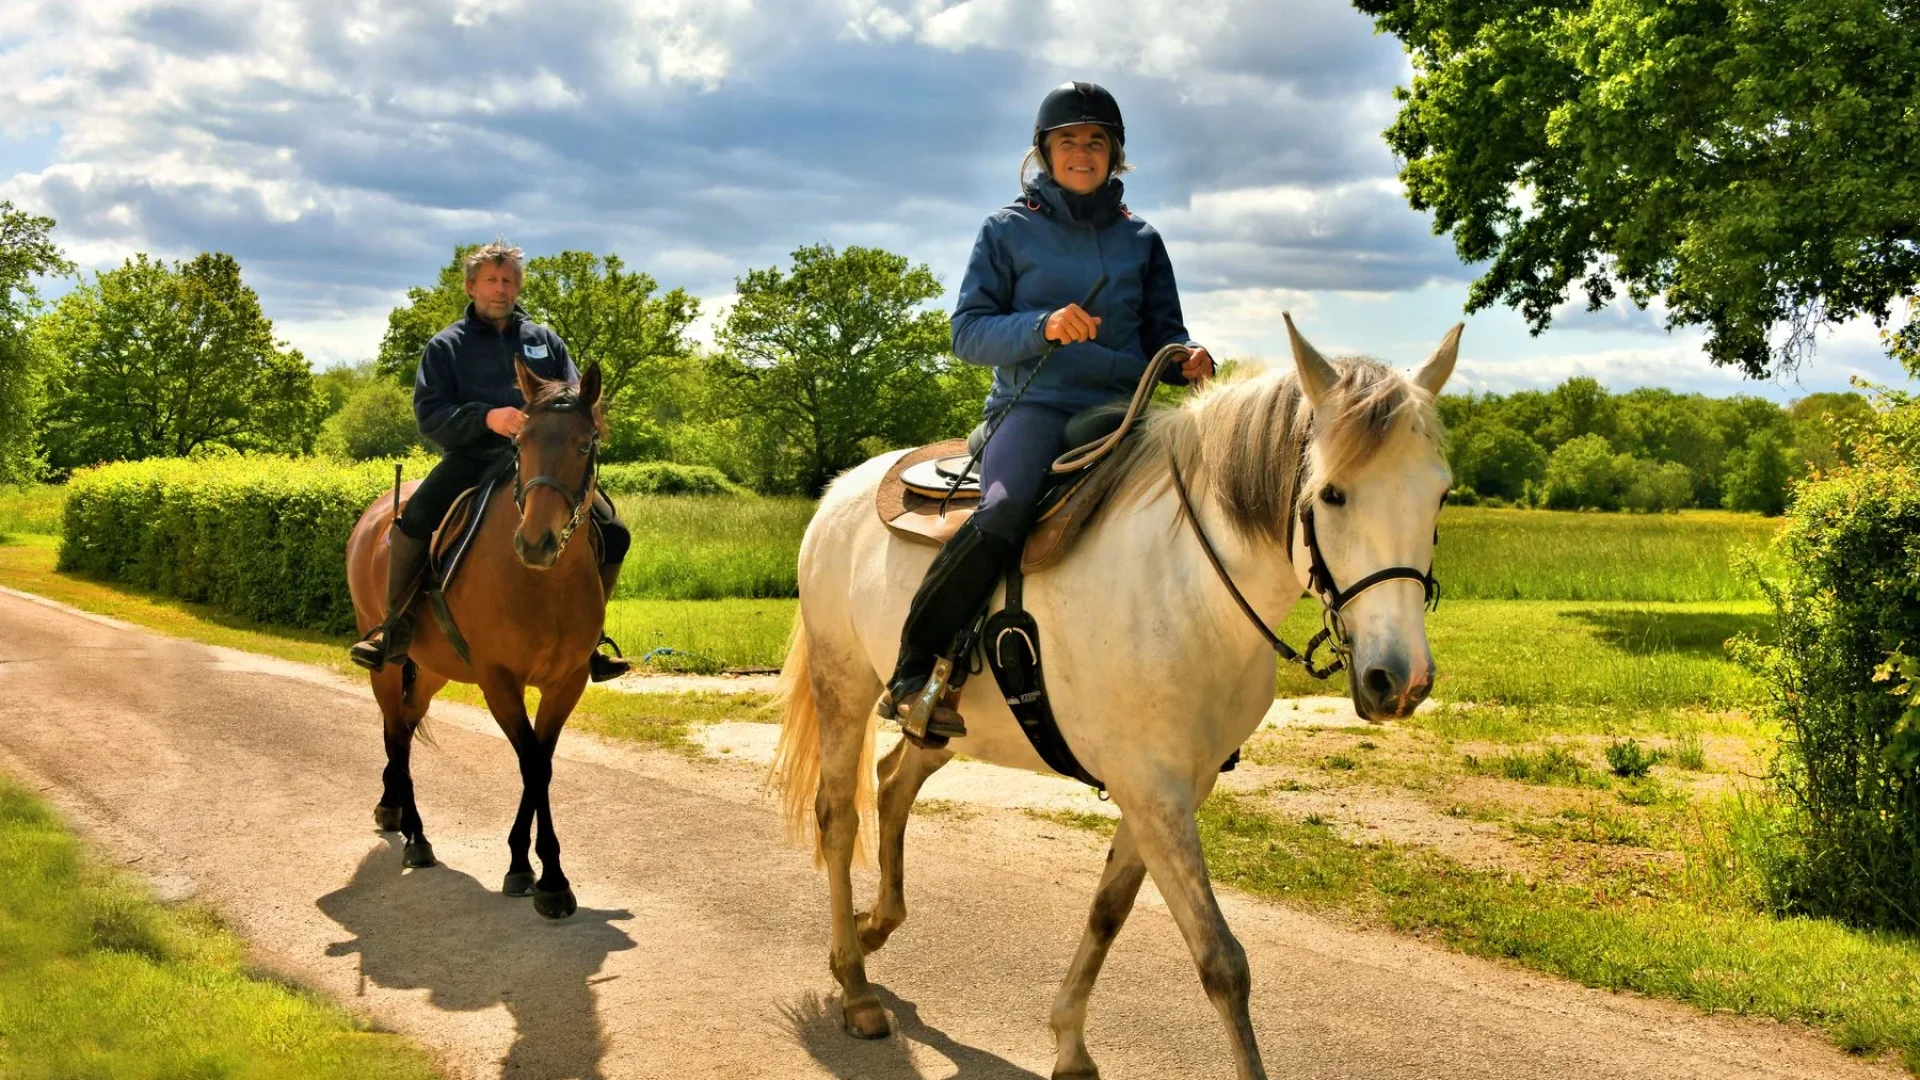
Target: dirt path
[700,947]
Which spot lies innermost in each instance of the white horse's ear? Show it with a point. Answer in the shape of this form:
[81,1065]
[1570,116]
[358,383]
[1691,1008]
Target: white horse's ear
[1433,374]
[1317,376]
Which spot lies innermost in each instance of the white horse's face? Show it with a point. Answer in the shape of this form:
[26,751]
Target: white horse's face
[1378,516]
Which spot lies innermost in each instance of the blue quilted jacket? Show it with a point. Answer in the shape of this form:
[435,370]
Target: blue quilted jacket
[1032,258]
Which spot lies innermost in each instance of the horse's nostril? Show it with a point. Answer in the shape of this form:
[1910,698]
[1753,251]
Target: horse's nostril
[1378,682]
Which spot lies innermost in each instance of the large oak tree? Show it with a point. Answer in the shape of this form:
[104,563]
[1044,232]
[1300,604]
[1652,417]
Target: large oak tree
[1750,163]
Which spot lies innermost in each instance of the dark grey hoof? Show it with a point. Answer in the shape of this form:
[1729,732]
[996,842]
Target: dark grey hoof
[386,818]
[555,905]
[418,853]
[518,883]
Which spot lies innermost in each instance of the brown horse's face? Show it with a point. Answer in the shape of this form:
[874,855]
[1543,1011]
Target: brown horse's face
[558,450]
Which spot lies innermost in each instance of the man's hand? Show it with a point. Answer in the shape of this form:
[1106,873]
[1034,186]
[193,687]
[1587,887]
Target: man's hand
[505,420]
[1198,367]
[1071,324]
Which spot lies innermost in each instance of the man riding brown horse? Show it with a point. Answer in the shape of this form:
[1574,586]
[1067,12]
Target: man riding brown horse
[469,404]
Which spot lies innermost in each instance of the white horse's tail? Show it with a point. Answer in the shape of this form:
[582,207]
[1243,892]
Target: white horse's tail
[796,761]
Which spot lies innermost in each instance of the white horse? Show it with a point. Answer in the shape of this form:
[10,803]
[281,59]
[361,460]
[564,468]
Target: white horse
[1155,674]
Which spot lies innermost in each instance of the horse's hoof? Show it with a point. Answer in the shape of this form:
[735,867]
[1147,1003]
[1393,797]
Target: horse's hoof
[557,904]
[867,1020]
[518,883]
[418,853]
[1077,1072]
[386,818]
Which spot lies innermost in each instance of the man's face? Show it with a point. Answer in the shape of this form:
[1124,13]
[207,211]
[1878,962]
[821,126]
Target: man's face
[494,289]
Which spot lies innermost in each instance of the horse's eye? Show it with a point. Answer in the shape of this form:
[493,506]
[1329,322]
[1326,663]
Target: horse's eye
[1333,496]
[585,449]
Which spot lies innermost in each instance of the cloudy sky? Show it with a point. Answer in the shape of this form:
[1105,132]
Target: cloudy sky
[340,148]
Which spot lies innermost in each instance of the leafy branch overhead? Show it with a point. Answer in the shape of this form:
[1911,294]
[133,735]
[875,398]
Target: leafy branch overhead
[1749,163]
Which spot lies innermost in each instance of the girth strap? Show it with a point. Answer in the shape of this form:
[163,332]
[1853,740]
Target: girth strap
[1011,640]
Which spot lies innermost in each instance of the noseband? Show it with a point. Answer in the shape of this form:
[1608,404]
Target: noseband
[1333,631]
[578,503]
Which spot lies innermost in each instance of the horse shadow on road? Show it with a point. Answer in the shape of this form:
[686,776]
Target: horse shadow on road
[813,1021]
[471,948]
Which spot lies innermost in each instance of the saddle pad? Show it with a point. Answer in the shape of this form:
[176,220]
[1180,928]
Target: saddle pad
[912,515]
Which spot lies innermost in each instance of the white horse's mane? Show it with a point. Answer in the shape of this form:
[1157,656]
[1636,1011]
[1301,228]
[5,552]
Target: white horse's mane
[1247,438]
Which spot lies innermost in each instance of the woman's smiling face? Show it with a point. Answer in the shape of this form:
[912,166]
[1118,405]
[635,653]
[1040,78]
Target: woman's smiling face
[1080,157]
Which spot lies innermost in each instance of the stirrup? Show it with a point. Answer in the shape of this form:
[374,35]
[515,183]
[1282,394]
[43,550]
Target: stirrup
[601,667]
[368,653]
[925,717]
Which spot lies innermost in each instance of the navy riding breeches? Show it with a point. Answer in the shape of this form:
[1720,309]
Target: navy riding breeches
[1013,470]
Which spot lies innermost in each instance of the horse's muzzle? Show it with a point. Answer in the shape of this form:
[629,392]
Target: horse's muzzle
[1387,690]
[540,556]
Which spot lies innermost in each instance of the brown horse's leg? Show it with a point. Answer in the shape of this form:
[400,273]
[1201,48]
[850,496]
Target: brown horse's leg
[399,720]
[553,895]
[902,771]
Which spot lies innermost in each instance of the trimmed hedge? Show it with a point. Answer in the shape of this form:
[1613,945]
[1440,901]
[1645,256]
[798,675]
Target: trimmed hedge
[665,478]
[261,536]
[1847,601]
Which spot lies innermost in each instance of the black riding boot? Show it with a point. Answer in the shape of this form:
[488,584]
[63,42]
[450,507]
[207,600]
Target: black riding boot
[600,666]
[950,597]
[387,643]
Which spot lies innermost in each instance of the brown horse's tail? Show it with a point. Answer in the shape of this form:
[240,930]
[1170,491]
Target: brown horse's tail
[796,761]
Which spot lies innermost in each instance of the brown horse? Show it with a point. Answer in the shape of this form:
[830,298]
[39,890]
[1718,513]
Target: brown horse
[530,606]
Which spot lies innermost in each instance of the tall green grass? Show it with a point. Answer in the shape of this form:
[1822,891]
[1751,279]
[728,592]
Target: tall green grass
[96,980]
[703,635]
[33,509]
[692,547]
[1495,554]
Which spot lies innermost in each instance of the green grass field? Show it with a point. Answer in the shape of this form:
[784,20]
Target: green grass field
[97,980]
[33,510]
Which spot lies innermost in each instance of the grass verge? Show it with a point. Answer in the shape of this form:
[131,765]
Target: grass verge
[1862,988]
[97,980]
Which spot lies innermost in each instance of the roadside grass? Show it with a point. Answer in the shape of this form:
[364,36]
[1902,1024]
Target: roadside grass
[704,636]
[31,509]
[97,980]
[1654,931]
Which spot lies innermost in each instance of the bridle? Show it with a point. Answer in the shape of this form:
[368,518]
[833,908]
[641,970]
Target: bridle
[578,503]
[1333,631]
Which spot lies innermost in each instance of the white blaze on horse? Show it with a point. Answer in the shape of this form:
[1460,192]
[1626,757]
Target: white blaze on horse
[1156,675]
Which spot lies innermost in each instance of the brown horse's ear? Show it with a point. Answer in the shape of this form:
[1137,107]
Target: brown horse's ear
[590,386]
[530,383]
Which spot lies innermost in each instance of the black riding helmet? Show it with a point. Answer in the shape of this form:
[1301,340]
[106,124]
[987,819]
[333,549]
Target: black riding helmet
[1079,103]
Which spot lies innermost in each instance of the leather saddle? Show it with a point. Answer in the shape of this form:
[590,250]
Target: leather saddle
[911,496]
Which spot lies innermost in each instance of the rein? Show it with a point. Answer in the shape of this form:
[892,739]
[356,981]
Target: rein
[578,503]
[1333,631]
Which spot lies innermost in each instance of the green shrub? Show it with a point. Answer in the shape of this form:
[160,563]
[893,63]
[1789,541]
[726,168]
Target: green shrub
[1629,759]
[666,478]
[1846,597]
[263,537]
[375,421]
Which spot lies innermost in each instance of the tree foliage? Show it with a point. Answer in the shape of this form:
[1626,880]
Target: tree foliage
[154,360]
[427,311]
[617,318]
[27,251]
[1748,162]
[376,420]
[834,353]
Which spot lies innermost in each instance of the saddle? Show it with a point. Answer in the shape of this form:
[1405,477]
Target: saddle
[918,499]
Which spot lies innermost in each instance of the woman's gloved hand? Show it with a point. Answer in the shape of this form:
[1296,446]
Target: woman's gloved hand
[1072,324]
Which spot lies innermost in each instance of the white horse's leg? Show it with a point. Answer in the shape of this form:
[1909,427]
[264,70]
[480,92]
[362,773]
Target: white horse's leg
[902,771]
[1112,902]
[843,738]
[1169,842]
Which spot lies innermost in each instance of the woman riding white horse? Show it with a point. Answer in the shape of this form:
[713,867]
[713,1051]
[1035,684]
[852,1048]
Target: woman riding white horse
[1019,313]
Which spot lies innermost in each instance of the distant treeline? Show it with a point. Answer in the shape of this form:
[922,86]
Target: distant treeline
[1580,447]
